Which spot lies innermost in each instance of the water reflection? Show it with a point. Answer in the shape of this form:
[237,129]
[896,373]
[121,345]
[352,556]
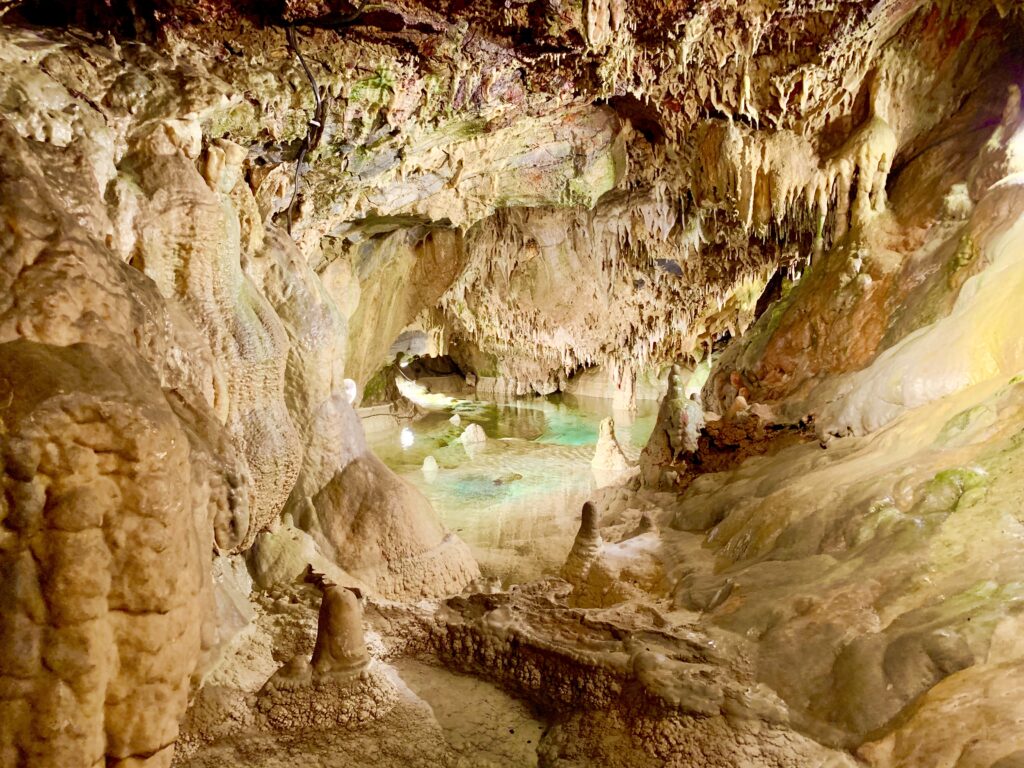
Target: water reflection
[516,498]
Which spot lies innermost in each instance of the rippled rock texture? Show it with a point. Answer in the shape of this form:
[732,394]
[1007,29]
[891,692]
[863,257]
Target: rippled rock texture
[172,373]
[209,244]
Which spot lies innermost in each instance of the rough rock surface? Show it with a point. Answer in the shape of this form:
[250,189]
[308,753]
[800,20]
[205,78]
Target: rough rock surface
[327,702]
[608,455]
[173,371]
[105,559]
[635,687]
[210,244]
[471,158]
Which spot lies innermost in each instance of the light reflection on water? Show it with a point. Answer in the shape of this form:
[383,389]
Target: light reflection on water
[515,499]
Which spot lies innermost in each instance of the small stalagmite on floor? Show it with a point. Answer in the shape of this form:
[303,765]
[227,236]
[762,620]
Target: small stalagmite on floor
[585,548]
[609,465]
[339,684]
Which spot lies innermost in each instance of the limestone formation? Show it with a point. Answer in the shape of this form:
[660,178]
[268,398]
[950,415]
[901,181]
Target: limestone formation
[106,561]
[339,685]
[739,405]
[326,703]
[430,469]
[139,286]
[339,653]
[340,649]
[608,455]
[226,226]
[585,547]
[386,535]
[473,436]
[645,525]
[675,435]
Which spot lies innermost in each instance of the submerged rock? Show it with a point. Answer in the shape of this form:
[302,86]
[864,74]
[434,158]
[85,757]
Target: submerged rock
[430,469]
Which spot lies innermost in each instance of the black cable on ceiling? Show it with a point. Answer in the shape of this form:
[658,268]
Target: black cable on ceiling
[317,123]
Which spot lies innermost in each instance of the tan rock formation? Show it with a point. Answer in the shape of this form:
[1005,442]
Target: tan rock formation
[337,686]
[386,534]
[585,547]
[130,386]
[340,649]
[609,464]
[217,218]
[105,557]
[680,421]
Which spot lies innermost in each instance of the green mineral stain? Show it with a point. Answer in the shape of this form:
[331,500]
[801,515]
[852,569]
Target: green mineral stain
[942,494]
[961,421]
[964,478]
[376,89]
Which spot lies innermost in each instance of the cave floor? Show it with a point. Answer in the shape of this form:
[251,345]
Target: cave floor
[442,718]
[484,725]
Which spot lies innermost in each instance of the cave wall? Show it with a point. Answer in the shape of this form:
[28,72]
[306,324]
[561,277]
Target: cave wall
[908,308]
[174,360]
[174,375]
[876,576]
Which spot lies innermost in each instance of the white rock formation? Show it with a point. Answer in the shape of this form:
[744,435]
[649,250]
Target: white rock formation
[473,435]
[608,455]
[430,469]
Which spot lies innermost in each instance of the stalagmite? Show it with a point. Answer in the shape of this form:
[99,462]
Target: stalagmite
[646,524]
[340,650]
[585,548]
[608,455]
[676,432]
[339,685]
[430,469]
[473,435]
[268,271]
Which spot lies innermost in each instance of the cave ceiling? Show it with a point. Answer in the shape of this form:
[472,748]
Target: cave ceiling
[546,185]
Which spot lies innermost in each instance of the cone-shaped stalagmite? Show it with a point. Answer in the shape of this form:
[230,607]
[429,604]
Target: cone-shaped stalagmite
[340,649]
[608,455]
[675,434]
[646,524]
[585,548]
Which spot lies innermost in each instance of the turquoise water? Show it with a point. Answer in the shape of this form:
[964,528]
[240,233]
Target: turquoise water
[576,423]
[516,498]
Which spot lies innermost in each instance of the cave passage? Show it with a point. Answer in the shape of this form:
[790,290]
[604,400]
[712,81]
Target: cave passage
[515,496]
[519,384]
